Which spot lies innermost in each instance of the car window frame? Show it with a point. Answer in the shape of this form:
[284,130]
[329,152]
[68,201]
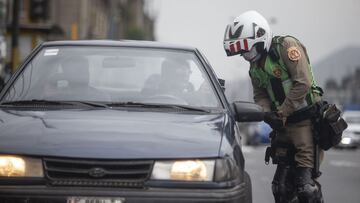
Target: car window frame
[214,80]
[19,71]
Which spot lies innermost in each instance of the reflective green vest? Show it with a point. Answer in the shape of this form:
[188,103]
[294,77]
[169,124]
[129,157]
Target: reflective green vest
[275,79]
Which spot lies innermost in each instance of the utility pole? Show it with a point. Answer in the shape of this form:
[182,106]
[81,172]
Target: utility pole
[2,42]
[15,35]
[2,34]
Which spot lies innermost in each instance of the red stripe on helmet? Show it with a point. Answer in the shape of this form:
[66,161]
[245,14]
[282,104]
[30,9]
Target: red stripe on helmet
[238,45]
[246,45]
[232,48]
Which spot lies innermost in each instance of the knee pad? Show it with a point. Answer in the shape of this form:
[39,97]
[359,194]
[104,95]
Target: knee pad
[307,190]
[278,189]
[283,193]
[282,185]
[309,193]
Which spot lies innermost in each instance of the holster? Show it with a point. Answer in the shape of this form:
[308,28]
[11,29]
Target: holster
[329,125]
[279,152]
[327,130]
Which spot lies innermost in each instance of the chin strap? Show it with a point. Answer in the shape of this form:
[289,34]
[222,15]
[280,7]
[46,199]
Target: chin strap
[256,58]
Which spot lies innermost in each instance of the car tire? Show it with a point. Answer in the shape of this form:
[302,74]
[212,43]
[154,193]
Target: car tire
[248,188]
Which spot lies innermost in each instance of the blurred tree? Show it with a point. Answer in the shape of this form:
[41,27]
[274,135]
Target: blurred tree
[331,84]
[345,82]
[135,34]
[135,23]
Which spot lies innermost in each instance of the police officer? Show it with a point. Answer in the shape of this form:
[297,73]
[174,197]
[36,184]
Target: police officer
[283,84]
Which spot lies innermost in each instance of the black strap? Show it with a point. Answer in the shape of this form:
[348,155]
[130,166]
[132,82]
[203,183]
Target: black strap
[302,114]
[278,90]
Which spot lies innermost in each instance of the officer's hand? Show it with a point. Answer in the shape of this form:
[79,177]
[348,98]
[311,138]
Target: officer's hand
[282,116]
[274,120]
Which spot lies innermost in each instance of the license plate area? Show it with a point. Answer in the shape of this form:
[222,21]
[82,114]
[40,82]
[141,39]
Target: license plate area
[95,200]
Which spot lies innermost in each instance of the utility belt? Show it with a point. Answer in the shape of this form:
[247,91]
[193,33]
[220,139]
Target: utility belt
[305,113]
[327,122]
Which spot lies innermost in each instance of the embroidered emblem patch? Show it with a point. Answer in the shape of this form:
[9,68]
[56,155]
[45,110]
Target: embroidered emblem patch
[277,72]
[294,53]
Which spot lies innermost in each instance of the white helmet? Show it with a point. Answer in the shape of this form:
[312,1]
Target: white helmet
[247,30]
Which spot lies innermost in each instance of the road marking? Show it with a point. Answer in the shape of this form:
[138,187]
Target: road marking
[342,163]
[265,179]
[340,152]
[247,149]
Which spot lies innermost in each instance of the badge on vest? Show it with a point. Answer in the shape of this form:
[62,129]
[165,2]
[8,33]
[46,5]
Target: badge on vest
[294,53]
[277,71]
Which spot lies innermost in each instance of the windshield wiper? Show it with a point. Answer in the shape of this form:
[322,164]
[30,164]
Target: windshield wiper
[157,105]
[90,103]
[35,101]
[51,102]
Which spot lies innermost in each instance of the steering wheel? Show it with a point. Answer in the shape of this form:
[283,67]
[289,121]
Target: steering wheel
[166,98]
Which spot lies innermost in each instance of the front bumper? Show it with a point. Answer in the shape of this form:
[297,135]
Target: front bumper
[43,194]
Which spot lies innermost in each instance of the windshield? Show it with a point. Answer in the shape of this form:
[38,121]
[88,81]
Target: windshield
[115,74]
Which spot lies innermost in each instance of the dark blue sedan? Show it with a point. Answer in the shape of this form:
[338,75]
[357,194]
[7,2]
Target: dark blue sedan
[110,121]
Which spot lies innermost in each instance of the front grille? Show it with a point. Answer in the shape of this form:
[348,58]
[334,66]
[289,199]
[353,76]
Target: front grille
[97,173]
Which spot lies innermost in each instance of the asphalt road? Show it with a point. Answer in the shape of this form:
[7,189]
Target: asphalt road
[340,179]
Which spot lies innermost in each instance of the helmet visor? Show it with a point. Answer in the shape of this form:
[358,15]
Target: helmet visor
[239,46]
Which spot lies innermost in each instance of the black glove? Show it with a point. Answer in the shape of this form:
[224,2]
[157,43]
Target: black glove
[273,119]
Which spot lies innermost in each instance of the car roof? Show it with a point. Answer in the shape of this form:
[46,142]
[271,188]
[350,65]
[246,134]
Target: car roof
[120,43]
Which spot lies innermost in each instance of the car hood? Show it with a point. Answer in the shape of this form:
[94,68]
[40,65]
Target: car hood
[110,134]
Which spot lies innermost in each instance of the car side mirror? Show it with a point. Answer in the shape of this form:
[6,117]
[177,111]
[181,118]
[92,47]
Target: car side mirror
[222,84]
[248,112]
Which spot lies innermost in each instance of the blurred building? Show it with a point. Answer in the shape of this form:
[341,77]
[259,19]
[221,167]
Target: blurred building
[44,20]
[338,74]
[346,93]
[337,65]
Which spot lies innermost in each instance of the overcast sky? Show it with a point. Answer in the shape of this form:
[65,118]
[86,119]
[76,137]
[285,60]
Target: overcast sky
[323,26]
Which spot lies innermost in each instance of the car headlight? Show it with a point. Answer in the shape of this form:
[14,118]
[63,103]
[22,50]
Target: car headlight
[184,170]
[15,166]
[346,140]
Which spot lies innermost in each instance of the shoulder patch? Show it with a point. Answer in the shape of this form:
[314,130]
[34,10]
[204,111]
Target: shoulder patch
[294,53]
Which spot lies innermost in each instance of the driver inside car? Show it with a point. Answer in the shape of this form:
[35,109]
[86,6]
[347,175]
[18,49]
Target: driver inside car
[172,82]
[175,77]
